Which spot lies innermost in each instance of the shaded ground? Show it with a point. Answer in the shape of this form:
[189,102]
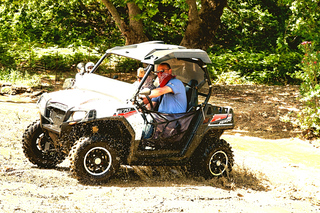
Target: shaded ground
[259,109]
[286,169]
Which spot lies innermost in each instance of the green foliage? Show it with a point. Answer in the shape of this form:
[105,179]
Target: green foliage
[6,59]
[170,23]
[58,22]
[268,25]
[309,117]
[54,58]
[310,68]
[126,65]
[63,58]
[251,25]
[302,23]
[19,78]
[257,40]
[231,78]
[164,20]
[257,67]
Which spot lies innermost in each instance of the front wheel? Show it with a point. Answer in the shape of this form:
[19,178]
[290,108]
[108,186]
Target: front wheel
[217,160]
[93,160]
[38,147]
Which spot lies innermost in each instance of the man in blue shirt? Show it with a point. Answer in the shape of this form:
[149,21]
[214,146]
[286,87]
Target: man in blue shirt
[172,90]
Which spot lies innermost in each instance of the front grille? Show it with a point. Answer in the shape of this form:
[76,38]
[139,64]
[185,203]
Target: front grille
[57,116]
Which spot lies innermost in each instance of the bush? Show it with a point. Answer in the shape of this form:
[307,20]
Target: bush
[127,65]
[309,117]
[260,68]
[5,58]
[52,58]
[19,78]
[231,78]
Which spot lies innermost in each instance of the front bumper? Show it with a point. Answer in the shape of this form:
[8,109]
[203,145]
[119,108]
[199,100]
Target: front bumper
[58,118]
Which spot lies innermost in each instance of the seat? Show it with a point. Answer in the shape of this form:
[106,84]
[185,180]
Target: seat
[192,94]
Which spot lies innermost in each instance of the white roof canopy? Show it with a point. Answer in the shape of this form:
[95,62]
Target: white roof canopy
[155,52]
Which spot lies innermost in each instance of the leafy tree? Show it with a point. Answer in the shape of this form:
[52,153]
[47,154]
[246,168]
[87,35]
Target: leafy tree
[167,23]
[203,19]
[203,23]
[238,30]
[132,30]
[79,22]
[254,25]
[303,22]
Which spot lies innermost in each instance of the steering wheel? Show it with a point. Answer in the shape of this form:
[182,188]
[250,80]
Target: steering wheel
[151,104]
[141,105]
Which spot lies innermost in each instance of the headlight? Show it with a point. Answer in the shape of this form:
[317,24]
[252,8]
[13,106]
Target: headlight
[42,103]
[77,115]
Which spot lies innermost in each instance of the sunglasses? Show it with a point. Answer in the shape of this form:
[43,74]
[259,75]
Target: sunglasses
[160,71]
[140,78]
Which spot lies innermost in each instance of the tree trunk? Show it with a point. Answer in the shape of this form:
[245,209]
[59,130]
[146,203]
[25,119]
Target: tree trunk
[202,25]
[133,31]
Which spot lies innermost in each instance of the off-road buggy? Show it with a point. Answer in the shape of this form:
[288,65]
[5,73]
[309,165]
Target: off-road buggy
[100,122]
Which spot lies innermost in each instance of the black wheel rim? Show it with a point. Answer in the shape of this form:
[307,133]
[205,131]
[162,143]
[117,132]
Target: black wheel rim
[218,163]
[44,146]
[97,161]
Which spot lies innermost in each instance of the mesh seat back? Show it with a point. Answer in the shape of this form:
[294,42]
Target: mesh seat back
[192,94]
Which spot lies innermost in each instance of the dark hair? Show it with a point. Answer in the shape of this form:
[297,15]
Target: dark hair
[166,64]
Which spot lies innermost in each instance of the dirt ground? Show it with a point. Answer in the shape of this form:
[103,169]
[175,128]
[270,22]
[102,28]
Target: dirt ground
[274,170]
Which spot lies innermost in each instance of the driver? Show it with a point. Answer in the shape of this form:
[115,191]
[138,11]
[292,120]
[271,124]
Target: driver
[171,94]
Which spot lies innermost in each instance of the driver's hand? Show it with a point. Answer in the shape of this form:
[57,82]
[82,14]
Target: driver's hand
[145,100]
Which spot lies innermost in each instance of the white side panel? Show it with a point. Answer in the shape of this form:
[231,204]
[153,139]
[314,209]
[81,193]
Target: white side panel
[137,124]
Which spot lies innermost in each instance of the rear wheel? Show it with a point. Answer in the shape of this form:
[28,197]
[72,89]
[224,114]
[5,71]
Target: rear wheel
[93,160]
[214,160]
[38,147]
[217,159]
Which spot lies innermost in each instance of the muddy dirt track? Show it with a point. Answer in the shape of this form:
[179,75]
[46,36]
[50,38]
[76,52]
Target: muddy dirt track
[275,171]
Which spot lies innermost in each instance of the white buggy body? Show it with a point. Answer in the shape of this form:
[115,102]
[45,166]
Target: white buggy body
[106,96]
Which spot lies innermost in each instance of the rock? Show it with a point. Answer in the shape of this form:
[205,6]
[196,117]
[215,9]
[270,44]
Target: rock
[37,93]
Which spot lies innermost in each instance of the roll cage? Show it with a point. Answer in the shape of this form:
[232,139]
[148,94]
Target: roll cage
[155,52]
[188,64]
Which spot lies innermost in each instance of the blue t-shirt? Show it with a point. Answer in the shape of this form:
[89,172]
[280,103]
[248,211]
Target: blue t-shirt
[175,102]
